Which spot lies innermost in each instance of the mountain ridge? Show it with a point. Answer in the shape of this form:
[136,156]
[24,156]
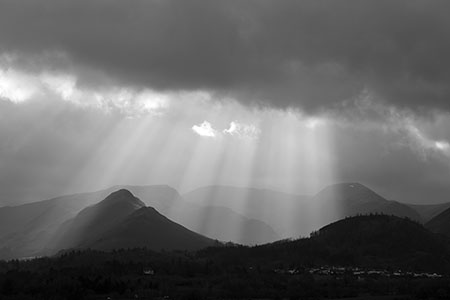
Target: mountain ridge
[146,227]
[92,221]
[248,216]
[122,220]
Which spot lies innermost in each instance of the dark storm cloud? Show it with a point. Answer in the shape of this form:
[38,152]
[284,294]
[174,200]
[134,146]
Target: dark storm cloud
[308,54]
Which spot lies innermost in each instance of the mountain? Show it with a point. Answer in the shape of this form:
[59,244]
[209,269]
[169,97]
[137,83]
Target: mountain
[348,199]
[241,215]
[92,222]
[213,221]
[49,214]
[123,221]
[27,229]
[147,228]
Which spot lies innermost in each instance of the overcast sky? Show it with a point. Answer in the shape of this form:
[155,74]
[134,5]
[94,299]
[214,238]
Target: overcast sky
[289,95]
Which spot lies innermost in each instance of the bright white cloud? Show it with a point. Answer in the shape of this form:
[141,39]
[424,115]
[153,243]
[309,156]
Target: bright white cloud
[126,100]
[205,129]
[18,86]
[242,130]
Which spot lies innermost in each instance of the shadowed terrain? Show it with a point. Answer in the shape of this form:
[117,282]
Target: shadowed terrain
[241,215]
[369,257]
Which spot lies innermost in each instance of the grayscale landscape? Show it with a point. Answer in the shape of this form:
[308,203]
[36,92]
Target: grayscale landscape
[222,149]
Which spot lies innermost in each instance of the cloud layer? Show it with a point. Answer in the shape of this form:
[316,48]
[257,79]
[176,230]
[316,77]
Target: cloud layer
[308,54]
[291,91]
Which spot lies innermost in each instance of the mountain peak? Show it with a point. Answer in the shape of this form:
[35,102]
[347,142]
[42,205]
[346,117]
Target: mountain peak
[347,185]
[349,190]
[352,198]
[122,195]
[93,221]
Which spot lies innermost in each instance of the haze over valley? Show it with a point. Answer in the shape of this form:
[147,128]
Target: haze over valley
[157,217]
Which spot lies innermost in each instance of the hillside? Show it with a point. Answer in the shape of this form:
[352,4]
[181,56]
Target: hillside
[147,228]
[92,222]
[371,241]
[366,257]
[240,215]
[386,240]
[25,230]
[123,221]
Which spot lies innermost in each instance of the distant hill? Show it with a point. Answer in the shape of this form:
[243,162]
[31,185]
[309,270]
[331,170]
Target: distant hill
[292,215]
[440,223]
[349,199]
[429,211]
[287,214]
[370,241]
[222,223]
[213,221]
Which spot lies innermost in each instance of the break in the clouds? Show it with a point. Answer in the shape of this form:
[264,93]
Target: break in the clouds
[310,54]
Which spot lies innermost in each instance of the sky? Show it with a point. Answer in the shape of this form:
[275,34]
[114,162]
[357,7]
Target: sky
[285,95]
